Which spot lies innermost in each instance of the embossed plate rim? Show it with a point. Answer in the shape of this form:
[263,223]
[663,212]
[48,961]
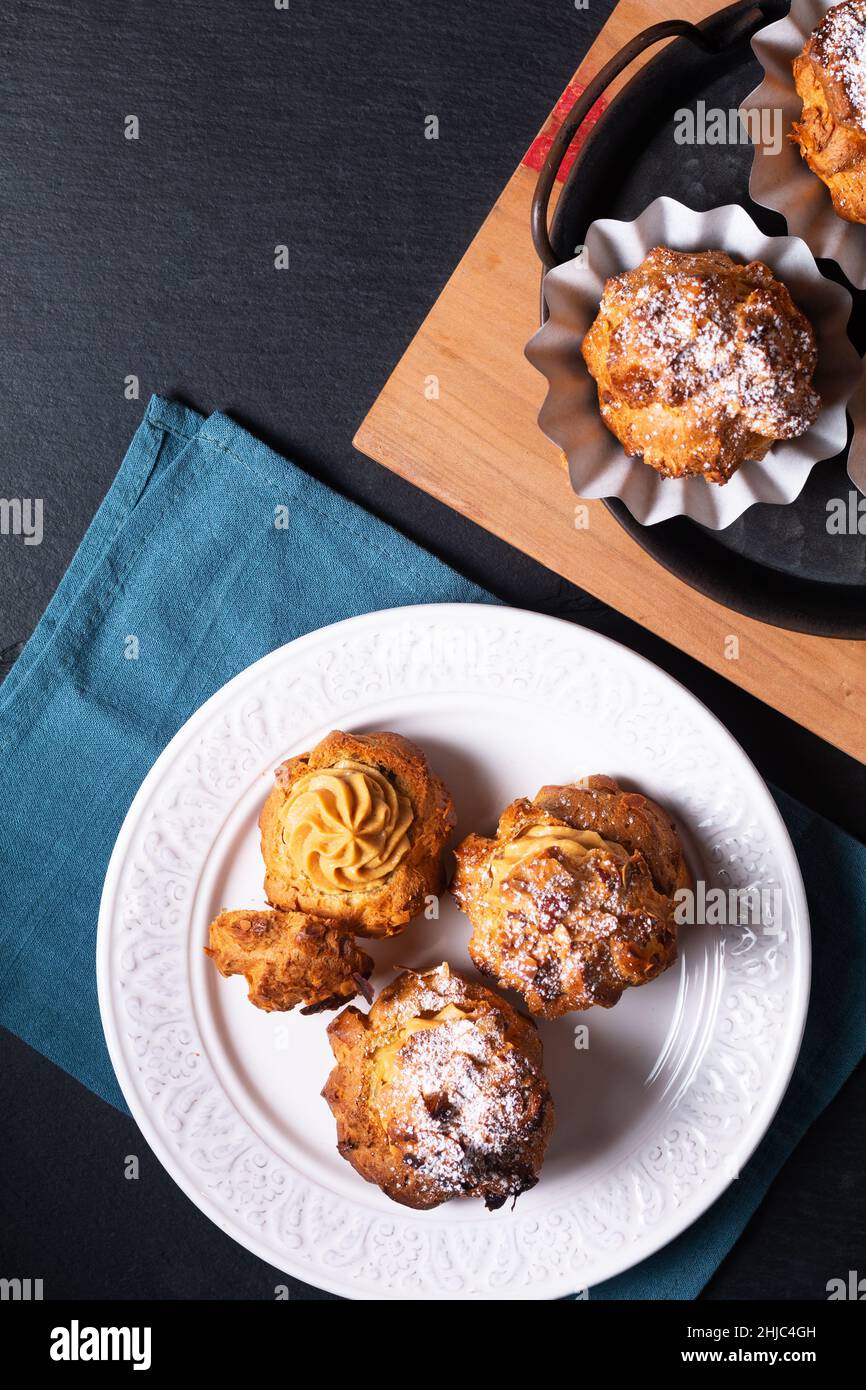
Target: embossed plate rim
[476,619]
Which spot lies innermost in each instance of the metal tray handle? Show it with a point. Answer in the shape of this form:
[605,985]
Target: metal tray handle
[725,30]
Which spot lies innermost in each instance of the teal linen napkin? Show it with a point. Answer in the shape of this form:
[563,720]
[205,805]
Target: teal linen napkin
[183,559]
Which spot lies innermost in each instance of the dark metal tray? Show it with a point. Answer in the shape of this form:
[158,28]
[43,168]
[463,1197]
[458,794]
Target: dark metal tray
[775,563]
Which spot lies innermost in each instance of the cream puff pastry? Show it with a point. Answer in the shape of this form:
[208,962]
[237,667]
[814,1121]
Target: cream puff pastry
[356,830]
[289,958]
[701,363]
[572,901]
[830,77]
[439,1092]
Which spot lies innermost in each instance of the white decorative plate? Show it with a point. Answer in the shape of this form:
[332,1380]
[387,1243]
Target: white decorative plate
[654,1119]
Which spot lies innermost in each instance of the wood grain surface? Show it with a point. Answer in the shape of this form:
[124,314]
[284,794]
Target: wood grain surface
[477,447]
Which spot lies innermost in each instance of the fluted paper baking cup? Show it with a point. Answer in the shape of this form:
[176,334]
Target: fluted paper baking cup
[782,180]
[570,417]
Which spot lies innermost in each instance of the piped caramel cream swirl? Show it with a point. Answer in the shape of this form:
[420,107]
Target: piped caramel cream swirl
[386,1056]
[573,844]
[346,827]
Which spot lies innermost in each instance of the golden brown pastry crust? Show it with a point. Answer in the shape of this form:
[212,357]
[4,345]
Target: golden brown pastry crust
[631,819]
[431,1107]
[701,363]
[383,906]
[567,929]
[830,77]
[289,958]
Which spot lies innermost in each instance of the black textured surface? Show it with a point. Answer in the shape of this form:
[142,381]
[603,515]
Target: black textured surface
[261,127]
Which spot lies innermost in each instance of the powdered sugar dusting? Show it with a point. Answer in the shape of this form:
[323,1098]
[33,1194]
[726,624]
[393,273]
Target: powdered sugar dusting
[839,44]
[459,1103]
[566,924]
[704,362]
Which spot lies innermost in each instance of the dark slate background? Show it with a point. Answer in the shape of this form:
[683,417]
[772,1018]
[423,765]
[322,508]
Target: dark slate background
[155,258]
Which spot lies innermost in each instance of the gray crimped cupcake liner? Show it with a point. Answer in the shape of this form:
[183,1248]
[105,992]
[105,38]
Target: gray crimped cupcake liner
[570,416]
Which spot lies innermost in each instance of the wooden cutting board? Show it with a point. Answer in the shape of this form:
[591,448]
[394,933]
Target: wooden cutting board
[457,417]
